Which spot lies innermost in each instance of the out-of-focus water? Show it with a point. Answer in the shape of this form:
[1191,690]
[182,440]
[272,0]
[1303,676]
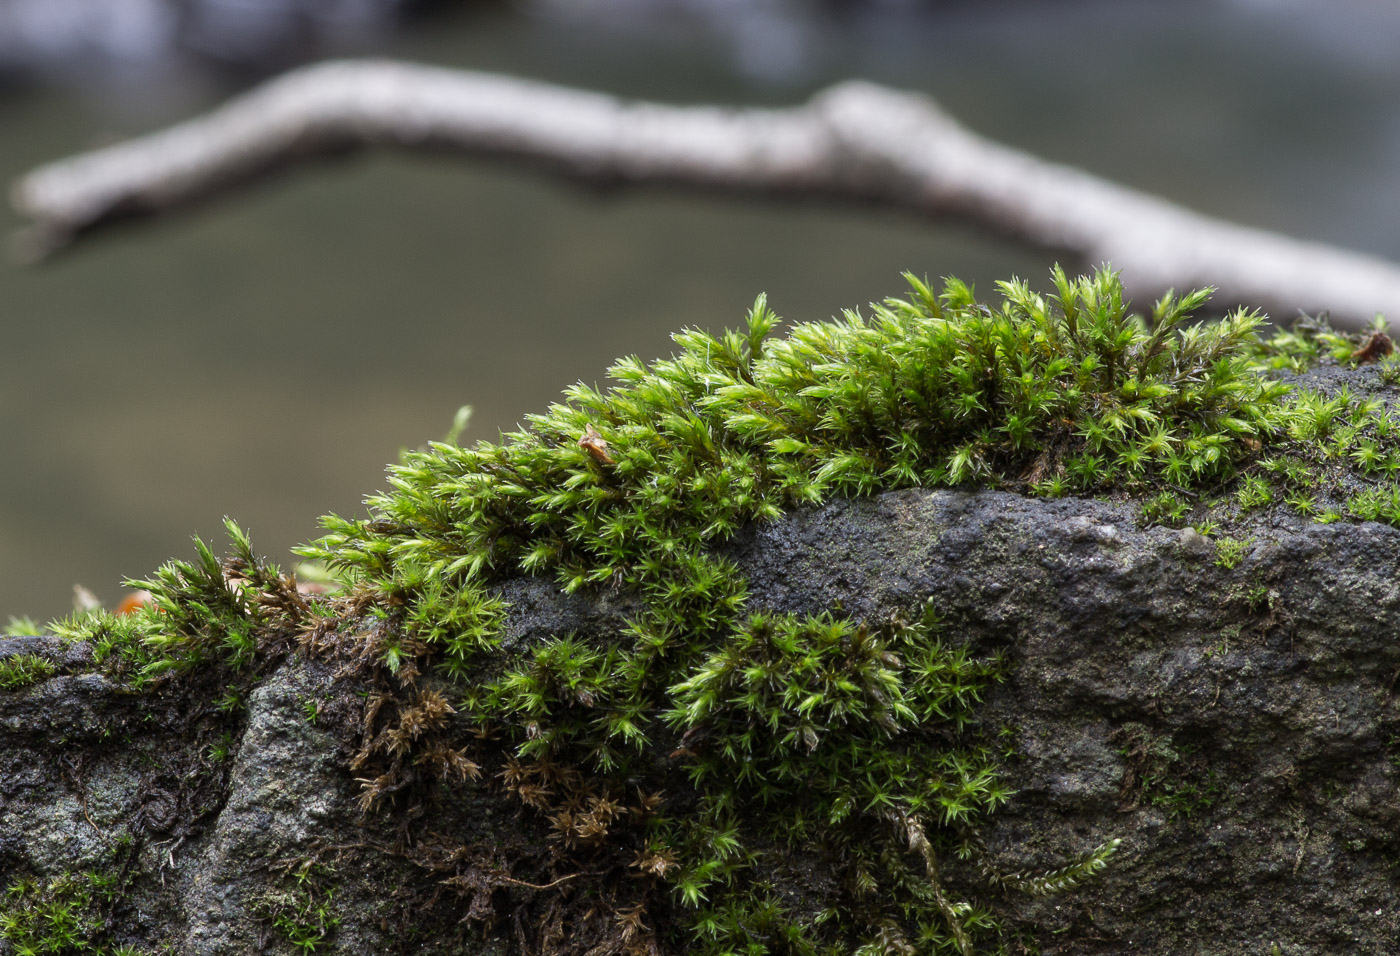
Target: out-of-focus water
[264,357]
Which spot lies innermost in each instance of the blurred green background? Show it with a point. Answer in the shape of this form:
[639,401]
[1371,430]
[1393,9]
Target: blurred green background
[265,356]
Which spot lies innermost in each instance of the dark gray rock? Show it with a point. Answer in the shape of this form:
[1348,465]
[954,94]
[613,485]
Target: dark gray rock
[1275,819]
[1237,728]
[207,819]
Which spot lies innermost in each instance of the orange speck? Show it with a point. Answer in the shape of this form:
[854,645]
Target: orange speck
[134,602]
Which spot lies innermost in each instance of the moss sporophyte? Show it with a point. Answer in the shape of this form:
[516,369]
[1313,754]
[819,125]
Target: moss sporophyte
[700,745]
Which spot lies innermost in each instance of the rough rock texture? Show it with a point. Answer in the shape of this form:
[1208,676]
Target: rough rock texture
[1237,728]
[83,762]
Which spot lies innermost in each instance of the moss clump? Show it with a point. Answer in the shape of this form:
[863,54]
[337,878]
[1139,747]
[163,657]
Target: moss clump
[851,739]
[700,745]
[21,670]
[69,914]
[229,612]
[1229,552]
[303,914]
[1070,394]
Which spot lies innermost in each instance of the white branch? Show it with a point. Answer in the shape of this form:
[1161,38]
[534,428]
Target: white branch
[853,142]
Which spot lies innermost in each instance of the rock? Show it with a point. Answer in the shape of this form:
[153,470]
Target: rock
[1236,727]
[1272,685]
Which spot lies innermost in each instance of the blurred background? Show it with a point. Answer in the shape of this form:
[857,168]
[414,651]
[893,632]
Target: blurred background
[266,356]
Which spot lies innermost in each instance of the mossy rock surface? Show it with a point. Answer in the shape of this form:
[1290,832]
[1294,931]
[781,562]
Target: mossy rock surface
[560,707]
[1237,729]
[1269,812]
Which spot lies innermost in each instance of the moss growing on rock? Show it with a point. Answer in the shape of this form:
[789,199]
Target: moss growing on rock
[670,757]
[69,914]
[21,670]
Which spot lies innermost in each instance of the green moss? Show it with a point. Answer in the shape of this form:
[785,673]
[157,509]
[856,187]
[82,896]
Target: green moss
[856,739]
[209,612]
[303,914]
[1229,552]
[52,917]
[699,745]
[21,670]
[1165,508]
[1164,774]
[22,627]
[69,914]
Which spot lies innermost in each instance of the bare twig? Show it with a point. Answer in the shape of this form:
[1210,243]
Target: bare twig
[547,886]
[853,142]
